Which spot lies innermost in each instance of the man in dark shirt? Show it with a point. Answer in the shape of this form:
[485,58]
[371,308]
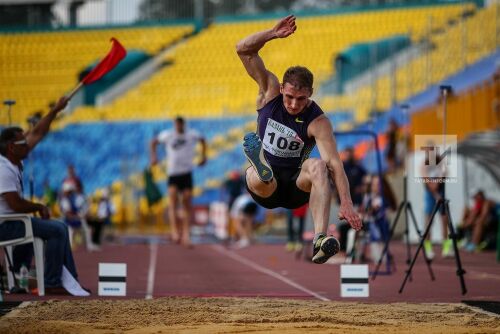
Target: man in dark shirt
[355,174]
[234,186]
[289,126]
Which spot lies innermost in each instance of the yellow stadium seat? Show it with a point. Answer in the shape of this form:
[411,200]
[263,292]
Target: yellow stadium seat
[45,65]
[204,77]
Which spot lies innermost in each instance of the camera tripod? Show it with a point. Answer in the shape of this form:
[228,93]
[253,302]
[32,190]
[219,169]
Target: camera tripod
[441,204]
[408,211]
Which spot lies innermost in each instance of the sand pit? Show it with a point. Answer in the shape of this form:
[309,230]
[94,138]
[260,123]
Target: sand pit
[230,315]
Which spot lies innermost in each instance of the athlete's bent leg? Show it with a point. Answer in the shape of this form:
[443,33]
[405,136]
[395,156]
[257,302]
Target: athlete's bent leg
[259,188]
[252,147]
[315,178]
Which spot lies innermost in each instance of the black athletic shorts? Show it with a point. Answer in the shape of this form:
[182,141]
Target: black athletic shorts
[287,194]
[181,181]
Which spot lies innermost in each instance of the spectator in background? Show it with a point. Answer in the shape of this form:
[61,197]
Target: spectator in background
[104,214]
[295,240]
[243,212]
[35,118]
[376,202]
[392,136]
[355,175]
[74,208]
[73,179]
[15,146]
[234,186]
[49,195]
[479,223]
[180,145]
[434,190]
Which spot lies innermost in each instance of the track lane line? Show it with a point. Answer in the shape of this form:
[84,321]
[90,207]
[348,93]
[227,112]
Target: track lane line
[268,272]
[153,255]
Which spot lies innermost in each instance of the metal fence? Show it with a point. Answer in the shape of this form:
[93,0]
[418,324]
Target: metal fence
[59,14]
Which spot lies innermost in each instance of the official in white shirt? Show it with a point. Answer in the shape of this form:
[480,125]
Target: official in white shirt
[14,148]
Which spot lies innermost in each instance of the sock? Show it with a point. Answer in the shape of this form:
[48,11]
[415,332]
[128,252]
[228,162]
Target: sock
[317,236]
[447,244]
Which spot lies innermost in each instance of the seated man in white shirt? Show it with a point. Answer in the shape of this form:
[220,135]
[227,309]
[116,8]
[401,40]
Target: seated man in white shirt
[14,147]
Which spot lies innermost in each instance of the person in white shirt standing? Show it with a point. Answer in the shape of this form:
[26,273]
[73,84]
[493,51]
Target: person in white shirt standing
[180,145]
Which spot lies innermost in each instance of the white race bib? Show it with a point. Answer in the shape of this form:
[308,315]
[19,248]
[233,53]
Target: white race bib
[281,141]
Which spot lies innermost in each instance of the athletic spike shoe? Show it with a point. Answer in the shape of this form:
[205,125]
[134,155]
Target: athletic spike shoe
[252,146]
[429,252]
[448,250]
[324,248]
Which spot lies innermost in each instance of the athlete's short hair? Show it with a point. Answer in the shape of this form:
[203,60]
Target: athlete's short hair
[299,77]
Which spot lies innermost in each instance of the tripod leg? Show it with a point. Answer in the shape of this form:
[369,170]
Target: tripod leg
[2,286]
[351,246]
[427,260]
[386,246]
[453,236]
[421,244]
[407,236]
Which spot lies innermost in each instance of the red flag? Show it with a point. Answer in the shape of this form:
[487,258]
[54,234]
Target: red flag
[112,59]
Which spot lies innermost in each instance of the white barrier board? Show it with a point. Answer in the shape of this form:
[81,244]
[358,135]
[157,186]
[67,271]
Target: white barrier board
[112,279]
[354,280]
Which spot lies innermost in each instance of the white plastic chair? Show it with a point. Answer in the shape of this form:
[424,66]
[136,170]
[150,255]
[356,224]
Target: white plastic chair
[38,247]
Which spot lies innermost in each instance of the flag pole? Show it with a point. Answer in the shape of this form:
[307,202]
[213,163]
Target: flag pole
[75,90]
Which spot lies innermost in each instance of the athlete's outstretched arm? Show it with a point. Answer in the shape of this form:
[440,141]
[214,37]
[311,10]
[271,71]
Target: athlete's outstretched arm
[248,51]
[321,129]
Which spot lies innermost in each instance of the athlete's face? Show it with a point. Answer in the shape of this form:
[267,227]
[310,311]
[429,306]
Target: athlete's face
[295,100]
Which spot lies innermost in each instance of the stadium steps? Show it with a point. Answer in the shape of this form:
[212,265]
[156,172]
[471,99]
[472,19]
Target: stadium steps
[206,78]
[36,68]
[222,151]
[442,61]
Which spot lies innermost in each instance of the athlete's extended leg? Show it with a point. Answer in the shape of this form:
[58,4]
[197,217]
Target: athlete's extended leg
[315,178]
[259,188]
